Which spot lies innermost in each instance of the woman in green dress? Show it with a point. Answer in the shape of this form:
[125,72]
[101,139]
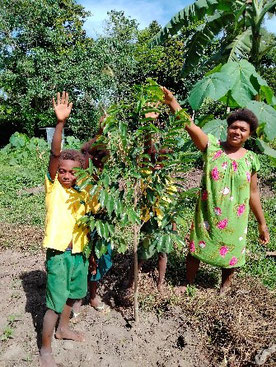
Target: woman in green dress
[228,190]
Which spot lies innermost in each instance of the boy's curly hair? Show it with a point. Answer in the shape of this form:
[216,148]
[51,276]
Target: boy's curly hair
[243,114]
[72,155]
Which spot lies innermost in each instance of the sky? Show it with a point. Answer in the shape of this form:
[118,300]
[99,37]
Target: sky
[144,11]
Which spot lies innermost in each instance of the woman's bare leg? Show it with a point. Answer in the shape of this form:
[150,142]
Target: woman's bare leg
[226,279]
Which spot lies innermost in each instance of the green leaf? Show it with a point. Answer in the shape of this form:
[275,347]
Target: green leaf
[124,219]
[265,114]
[91,223]
[118,206]
[87,249]
[164,244]
[100,228]
[217,127]
[267,93]
[106,181]
[100,247]
[132,216]
[239,74]
[265,148]
[214,86]
[103,198]
[110,204]
[111,229]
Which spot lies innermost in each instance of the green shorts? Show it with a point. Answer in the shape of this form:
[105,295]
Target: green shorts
[66,278]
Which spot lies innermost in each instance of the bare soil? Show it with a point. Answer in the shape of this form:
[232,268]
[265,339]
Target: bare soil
[197,330]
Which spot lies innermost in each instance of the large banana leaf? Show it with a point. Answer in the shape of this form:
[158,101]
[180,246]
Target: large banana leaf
[191,14]
[199,41]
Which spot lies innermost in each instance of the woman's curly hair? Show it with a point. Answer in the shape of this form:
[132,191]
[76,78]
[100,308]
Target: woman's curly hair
[243,114]
[72,155]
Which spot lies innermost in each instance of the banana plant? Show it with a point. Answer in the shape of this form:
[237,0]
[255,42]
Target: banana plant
[238,24]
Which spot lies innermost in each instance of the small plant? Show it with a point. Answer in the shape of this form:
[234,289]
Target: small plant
[9,329]
[191,290]
[7,333]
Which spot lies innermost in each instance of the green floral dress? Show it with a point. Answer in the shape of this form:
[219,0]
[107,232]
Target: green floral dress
[218,233]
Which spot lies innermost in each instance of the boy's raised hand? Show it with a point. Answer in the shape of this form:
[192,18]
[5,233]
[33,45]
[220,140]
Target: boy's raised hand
[62,107]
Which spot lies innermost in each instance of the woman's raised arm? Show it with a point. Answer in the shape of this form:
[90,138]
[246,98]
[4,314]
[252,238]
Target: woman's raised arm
[199,138]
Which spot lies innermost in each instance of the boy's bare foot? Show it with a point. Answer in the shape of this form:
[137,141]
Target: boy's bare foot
[46,359]
[68,334]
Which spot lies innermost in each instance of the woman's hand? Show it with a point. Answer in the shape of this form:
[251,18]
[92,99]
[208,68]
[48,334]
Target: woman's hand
[170,100]
[263,234]
[62,107]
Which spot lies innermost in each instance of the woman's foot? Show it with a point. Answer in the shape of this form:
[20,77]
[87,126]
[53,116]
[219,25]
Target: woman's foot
[180,290]
[68,334]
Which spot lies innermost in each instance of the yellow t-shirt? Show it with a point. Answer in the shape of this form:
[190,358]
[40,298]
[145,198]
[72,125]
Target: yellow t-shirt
[64,207]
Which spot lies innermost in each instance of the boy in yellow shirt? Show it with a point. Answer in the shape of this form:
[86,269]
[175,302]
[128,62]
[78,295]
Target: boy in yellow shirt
[65,239]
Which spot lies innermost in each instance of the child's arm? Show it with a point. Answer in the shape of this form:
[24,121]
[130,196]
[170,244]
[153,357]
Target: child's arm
[199,138]
[86,146]
[256,207]
[62,110]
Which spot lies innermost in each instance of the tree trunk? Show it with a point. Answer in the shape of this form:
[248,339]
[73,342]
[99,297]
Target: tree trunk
[135,253]
[135,249]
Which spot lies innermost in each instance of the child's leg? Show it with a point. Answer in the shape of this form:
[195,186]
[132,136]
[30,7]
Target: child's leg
[192,265]
[93,300]
[226,279]
[162,266]
[130,281]
[63,330]
[45,354]
[76,307]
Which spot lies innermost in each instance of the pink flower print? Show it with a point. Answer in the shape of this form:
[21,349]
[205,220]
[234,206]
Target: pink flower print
[224,165]
[241,210]
[206,225]
[248,176]
[223,251]
[225,191]
[217,210]
[217,154]
[235,166]
[192,246]
[215,174]
[222,224]
[204,196]
[202,244]
[233,261]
